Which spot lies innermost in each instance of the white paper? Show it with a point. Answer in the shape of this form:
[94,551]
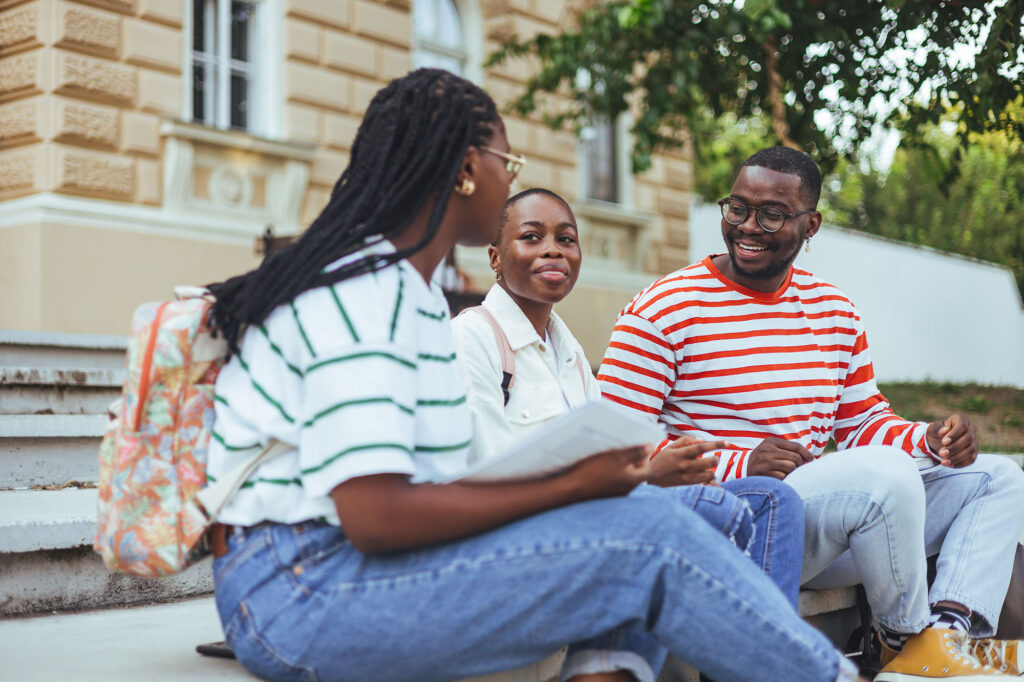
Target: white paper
[597,426]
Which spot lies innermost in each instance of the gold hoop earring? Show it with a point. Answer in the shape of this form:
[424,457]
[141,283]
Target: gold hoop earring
[465,187]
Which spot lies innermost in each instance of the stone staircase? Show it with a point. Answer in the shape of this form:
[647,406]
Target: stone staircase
[54,393]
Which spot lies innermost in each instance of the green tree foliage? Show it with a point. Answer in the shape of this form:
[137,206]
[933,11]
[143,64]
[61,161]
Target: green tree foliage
[980,214]
[816,70]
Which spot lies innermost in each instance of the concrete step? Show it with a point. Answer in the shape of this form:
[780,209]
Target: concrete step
[47,562]
[51,349]
[143,643]
[50,390]
[49,449]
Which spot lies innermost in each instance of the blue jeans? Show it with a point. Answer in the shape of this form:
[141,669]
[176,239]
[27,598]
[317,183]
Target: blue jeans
[299,602]
[778,545]
[762,516]
[872,517]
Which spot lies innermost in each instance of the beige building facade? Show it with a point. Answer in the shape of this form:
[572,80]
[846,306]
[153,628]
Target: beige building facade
[149,143]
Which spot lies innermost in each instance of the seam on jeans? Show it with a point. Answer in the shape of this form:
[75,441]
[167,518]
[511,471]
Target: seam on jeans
[982,491]
[250,632]
[773,504]
[902,602]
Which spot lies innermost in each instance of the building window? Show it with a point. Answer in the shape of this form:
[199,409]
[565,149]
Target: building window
[601,162]
[224,64]
[439,36]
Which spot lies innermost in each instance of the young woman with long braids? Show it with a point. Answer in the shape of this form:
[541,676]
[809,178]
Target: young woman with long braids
[345,559]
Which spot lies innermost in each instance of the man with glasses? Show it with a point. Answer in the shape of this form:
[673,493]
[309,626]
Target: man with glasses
[744,348]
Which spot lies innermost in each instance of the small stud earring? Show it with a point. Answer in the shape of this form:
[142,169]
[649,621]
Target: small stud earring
[465,187]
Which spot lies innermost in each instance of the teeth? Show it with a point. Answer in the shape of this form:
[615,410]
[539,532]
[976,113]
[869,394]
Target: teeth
[748,247]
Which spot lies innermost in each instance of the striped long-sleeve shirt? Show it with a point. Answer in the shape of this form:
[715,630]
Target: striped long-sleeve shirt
[717,361]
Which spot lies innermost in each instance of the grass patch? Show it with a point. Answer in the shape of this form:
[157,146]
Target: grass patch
[996,411]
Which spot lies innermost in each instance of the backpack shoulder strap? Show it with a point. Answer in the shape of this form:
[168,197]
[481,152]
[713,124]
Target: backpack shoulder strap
[508,360]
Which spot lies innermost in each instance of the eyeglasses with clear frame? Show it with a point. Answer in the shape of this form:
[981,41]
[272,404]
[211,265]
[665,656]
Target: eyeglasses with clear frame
[513,162]
[769,218]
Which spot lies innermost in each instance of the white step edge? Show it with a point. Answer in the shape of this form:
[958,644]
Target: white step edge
[19,337]
[32,520]
[61,377]
[52,425]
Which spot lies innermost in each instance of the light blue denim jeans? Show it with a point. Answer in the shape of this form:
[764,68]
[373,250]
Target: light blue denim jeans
[762,516]
[299,602]
[872,517]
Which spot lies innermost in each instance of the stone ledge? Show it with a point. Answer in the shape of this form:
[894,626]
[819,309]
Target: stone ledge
[51,377]
[33,520]
[52,425]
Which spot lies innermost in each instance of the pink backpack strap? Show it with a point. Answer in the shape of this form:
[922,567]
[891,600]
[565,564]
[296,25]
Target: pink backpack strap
[508,359]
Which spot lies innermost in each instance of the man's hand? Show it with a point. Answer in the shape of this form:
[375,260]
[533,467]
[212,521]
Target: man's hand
[680,462]
[777,457]
[953,440]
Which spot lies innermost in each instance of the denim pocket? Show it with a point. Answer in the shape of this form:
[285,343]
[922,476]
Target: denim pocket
[257,655]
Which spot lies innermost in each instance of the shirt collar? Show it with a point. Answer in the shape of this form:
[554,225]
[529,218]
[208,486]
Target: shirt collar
[518,329]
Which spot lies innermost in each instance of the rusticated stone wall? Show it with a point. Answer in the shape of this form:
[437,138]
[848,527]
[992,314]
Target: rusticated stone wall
[82,88]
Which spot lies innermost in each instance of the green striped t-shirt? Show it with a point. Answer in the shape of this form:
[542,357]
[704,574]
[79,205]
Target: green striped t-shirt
[360,377]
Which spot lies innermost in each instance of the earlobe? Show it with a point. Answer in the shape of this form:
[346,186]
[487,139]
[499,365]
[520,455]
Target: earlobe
[813,224]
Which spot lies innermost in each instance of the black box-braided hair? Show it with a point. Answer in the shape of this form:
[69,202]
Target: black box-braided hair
[409,148]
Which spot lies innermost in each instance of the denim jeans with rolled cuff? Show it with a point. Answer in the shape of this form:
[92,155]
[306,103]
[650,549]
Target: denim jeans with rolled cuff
[299,602]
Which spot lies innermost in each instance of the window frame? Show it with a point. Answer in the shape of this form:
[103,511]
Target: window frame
[262,70]
[471,29]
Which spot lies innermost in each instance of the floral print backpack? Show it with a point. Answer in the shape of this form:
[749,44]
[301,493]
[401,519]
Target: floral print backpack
[154,505]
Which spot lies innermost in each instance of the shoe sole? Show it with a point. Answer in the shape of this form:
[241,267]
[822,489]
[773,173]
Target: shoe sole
[904,677]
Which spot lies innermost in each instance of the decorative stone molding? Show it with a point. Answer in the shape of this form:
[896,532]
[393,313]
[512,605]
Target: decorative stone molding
[92,173]
[229,175]
[88,30]
[17,171]
[122,6]
[616,236]
[19,75]
[19,27]
[95,78]
[18,122]
[87,123]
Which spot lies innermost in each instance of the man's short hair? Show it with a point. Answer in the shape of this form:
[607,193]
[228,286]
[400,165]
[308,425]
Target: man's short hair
[792,162]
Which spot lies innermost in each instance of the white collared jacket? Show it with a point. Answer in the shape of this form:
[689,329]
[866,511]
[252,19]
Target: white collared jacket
[538,394]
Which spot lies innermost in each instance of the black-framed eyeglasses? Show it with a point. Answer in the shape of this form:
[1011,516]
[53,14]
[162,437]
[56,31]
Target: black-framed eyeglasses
[769,218]
[513,162]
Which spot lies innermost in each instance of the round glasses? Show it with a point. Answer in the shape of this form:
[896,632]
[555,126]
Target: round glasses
[769,218]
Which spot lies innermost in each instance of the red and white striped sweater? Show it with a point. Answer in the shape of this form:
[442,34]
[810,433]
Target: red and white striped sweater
[714,360]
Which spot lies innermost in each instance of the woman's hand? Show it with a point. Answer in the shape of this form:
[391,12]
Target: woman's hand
[681,463]
[611,473]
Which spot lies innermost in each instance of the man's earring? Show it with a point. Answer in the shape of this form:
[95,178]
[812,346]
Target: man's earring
[465,187]
[497,275]
[807,246]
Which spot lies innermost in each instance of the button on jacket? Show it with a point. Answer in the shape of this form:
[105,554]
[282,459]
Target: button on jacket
[548,381]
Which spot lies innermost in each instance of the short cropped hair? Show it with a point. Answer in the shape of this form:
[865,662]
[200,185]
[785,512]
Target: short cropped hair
[515,198]
[793,162]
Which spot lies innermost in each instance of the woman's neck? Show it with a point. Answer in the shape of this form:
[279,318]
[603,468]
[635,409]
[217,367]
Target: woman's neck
[536,312]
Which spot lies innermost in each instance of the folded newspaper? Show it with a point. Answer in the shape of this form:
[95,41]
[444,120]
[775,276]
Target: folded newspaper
[597,426]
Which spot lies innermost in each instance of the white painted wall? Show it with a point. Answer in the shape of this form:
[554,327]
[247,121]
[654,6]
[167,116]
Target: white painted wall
[928,314]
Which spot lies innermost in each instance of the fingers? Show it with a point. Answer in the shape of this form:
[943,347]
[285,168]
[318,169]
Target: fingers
[794,447]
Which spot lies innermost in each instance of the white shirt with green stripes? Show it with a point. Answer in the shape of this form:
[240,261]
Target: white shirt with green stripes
[360,377]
